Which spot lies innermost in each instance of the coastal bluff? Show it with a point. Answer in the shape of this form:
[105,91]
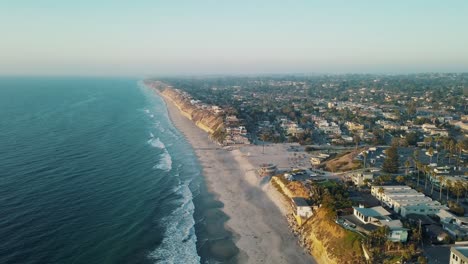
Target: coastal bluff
[319,235]
[202,115]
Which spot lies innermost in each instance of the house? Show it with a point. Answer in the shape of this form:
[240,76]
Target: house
[301,207]
[358,178]
[458,255]
[353,126]
[377,216]
[456,226]
[318,159]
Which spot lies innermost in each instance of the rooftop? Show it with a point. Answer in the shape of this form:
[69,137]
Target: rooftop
[372,212]
[462,250]
[299,201]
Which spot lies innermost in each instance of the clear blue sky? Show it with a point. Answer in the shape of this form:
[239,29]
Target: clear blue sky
[92,37]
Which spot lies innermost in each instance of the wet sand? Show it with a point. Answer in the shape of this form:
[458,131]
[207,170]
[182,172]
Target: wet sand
[259,225]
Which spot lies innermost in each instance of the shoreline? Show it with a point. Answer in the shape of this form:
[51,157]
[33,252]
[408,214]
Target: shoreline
[256,213]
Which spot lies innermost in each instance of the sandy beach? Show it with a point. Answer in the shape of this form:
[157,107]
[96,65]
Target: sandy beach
[260,228]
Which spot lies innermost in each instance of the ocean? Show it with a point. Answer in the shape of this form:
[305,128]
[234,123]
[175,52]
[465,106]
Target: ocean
[93,171]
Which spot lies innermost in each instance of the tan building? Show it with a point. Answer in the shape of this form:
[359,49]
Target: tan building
[458,255]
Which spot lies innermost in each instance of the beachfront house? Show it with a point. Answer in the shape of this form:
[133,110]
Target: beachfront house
[302,211]
[374,217]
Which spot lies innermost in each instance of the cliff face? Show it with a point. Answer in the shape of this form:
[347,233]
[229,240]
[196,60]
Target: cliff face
[330,243]
[325,240]
[203,118]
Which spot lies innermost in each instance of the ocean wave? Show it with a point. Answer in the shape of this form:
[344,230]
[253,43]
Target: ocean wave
[179,243]
[156,142]
[165,163]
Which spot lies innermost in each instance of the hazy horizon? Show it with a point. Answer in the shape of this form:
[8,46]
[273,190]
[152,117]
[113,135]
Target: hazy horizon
[114,38]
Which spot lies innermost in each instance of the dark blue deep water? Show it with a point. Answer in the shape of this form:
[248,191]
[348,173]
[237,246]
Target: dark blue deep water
[93,171]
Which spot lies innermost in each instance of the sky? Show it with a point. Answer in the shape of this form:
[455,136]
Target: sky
[189,37]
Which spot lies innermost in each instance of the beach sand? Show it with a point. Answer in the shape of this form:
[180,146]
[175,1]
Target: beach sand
[259,225]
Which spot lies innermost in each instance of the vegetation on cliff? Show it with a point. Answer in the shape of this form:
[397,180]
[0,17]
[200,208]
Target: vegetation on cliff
[204,118]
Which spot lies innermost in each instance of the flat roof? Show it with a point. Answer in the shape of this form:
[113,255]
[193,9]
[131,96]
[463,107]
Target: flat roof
[373,211]
[299,201]
[462,250]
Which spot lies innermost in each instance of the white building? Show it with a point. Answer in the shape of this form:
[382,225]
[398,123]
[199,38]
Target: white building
[301,207]
[405,200]
[378,216]
[358,178]
[458,255]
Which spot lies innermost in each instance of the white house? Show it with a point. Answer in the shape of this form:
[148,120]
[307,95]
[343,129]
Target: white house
[301,207]
[378,216]
[358,178]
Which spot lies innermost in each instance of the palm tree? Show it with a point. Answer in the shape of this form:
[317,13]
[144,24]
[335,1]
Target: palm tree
[437,139]
[459,147]
[400,179]
[441,179]
[448,185]
[407,165]
[451,147]
[432,182]
[426,172]
[458,189]
[365,158]
[430,151]
[418,167]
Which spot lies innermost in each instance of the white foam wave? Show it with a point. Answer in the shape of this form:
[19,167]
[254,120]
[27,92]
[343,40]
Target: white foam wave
[179,243]
[156,142]
[165,163]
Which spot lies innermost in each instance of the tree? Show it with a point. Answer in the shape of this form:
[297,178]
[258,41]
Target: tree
[407,165]
[430,151]
[426,176]
[441,179]
[390,163]
[365,158]
[448,185]
[422,260]
[411,138]
[400,179]
[458,188]
[356,139]
[418,168]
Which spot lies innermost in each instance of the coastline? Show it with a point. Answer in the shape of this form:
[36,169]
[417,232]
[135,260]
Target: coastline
[256,211]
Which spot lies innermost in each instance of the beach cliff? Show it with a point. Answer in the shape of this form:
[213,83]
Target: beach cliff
[260,231]
[320,235]
[202,115]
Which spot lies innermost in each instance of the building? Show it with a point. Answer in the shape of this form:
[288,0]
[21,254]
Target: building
[359,178]
[318,159]
[405,200]
[353,126]
[377,216]
[267,169]
[458,255]
[301,207]
[456,226]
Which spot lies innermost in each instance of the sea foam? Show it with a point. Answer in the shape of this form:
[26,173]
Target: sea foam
[165,162]
[179,242]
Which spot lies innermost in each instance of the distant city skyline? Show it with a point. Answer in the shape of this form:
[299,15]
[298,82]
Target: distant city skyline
[145,38]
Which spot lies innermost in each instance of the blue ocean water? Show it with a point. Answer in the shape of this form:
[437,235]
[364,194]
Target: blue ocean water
[93,171]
